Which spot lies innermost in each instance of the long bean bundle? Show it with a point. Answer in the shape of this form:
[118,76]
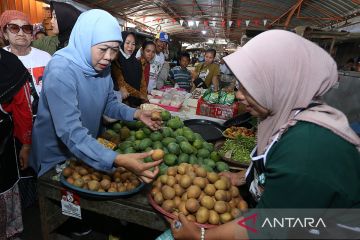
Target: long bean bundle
[238,150]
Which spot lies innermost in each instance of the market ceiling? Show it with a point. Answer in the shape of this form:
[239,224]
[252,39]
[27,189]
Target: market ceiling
[188,20]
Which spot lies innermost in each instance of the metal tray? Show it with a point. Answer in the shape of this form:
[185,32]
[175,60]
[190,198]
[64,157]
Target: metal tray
[209,130]
[239,120]
[99,195]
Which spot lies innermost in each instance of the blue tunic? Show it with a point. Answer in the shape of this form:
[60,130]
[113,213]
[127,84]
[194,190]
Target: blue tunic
[75,97]
[69,117]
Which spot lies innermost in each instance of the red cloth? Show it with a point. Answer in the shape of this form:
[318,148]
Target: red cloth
[20,108]
[147,73]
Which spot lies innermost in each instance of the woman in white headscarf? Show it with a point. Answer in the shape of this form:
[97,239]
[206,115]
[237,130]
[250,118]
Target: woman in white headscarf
[77,92]
[307,155]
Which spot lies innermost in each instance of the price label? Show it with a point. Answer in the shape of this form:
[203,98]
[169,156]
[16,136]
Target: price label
[70,204]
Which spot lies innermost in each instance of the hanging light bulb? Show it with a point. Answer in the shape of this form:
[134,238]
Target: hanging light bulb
[203,32]
[191,23]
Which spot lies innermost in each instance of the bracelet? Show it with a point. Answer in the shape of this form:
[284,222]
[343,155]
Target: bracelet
[202,233]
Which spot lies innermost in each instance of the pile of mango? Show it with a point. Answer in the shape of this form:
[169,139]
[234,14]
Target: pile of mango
[180,143]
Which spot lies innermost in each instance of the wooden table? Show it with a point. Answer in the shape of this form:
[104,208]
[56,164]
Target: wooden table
[134,209]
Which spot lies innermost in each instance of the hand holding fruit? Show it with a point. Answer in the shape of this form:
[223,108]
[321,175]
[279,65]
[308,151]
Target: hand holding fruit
[146,117]
[133,162]
[236,179]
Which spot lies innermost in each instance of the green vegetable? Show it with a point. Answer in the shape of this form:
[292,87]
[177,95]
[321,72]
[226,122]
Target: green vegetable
[140,134]
[168,140]
[183,158]
[170,159]
[157,145]
[174,148]
[203,153]
[156,136]
[163,168]
[180,139]
[146,130]
[165,115]
[215,156]
[239,149]
[175,123]
[198,144]
[186,147]
[222,167]
[145,143]
[124,145]
[130,150]
[167,132]
[116,127]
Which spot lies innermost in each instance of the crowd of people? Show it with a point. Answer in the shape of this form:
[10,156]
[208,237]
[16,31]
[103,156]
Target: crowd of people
[55,91]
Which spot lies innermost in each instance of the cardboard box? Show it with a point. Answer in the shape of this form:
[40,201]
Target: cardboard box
[218,110]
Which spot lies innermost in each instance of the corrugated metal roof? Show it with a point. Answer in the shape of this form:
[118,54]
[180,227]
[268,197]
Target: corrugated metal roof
[227,18]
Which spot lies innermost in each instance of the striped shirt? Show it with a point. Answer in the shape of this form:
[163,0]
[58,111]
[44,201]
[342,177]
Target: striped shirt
[181,76]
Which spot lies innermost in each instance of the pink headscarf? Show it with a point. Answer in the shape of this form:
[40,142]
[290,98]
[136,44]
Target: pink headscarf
[283,71]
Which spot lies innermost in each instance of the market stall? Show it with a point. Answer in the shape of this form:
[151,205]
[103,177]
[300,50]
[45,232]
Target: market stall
[135,208]
[75,186]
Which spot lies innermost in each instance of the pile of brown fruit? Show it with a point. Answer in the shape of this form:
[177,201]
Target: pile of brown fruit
[83,176]
[203,197]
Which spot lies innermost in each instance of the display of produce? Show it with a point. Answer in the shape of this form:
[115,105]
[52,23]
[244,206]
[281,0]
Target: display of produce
[179,143]
[233,132]
[84,177]
[202,196]
[238,149]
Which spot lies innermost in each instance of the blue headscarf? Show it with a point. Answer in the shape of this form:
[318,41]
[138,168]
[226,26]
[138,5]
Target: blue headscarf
[92,27]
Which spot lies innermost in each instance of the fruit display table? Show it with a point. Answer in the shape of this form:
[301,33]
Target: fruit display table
[134,209]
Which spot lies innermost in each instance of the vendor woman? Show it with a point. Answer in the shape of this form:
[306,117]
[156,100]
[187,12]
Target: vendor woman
[77,91]
[207,74]
[307,156]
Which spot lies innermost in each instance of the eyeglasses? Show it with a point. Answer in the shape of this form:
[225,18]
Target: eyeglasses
[14,28]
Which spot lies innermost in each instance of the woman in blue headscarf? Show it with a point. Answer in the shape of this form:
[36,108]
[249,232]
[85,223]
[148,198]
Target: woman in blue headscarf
[77,92]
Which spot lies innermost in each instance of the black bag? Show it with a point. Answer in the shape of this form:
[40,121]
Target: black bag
[199,82]
[28,191]
[8,155]
[27,184]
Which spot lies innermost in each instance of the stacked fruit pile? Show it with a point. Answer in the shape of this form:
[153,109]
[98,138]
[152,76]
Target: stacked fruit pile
[180,143]
[85,177]
[204,197]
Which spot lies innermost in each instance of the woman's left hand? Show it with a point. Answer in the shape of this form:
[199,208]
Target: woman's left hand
[145,117]
[24,156]
[188,230]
